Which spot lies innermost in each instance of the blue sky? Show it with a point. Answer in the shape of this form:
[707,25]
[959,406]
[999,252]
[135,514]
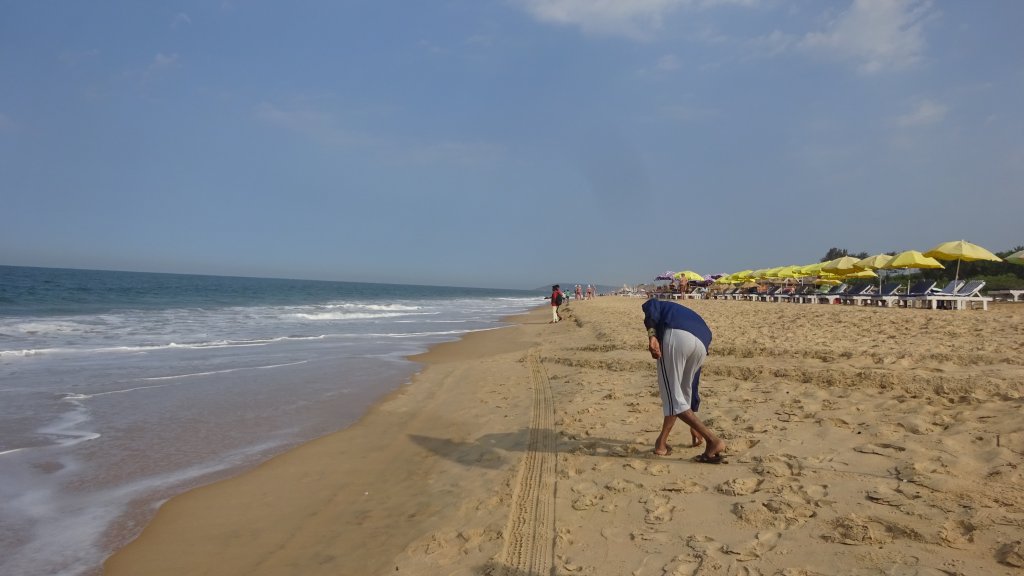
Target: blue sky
[507,143]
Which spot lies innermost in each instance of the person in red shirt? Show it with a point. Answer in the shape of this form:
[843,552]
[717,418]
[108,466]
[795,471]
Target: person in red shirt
[557,296]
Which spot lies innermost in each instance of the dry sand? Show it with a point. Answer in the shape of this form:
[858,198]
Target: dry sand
[861,441]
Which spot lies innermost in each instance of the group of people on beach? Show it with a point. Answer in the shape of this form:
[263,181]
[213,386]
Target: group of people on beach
[558,298]
[679,339]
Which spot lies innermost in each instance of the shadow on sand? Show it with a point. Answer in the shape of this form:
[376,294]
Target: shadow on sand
[489,451]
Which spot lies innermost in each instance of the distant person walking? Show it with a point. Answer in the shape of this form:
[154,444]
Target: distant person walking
[557,296]
[678,338]
[579,292]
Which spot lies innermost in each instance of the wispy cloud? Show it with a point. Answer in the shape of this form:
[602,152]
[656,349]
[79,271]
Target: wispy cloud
[667,63]
[180,19]
[310,121]
[770,45]
[924,113]
[634,19]
[878,35]
[162,62]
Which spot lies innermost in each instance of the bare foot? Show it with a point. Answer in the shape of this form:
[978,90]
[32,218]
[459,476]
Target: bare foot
[713,450]
[696,438]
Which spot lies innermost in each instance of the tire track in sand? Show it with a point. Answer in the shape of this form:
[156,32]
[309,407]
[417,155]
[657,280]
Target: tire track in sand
[530,533]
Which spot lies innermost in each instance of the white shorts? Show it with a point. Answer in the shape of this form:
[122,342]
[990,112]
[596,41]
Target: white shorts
[682,354]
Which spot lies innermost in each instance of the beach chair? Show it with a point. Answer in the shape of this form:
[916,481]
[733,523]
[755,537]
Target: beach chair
[794,294]
[834,295]
[789,295]
[858,294]
[745,294]
[915,294]
[782,294]
[888,294]
[811,296]
[969,294]
[768,294]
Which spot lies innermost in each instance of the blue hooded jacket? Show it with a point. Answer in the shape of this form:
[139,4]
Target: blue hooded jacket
[662,315]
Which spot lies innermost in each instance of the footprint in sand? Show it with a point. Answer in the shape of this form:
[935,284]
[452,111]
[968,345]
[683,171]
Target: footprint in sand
[778,465]
[684,487]
[957,534]
[739,486]
[887,496]
[700,560]
[1012,553]
[659,509]
[859,531]
[890,450]
[738,445]
[619,486]
[587,496]
[763,543]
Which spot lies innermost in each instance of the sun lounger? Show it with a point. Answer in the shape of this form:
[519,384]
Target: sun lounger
[916,293]
[795,294]
[857,294]
[1013,294]
[764,296]
[724,294]
[696,294]
[812,296]
[886,296]
[782,294]
[969,294]
[834,295]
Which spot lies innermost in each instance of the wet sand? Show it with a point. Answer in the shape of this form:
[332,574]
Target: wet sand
[861,441]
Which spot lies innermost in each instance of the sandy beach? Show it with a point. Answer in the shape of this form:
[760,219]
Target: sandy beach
[861,441]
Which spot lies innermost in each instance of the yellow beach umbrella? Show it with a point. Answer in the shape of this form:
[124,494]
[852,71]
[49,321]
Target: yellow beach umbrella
[788,272]
[841,265]
[911,259]
[874,263]
[859,274]
[1016,258]
[690,275]
[961,250]
[811,269]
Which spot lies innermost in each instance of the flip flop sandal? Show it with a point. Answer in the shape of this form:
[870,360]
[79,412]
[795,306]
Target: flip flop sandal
[716,459]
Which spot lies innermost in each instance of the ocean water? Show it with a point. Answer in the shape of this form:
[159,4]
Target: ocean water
[119,390]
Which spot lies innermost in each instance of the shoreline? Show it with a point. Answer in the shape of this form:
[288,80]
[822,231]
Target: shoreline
[877,440]
[166,522]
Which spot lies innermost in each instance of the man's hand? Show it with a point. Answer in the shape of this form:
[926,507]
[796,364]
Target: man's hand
[655,347]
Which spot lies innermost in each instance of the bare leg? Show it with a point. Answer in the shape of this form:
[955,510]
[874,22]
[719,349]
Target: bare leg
[696,438]
[661,444]
[715,445]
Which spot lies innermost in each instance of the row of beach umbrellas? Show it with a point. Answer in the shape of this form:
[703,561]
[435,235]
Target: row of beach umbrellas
[848,267]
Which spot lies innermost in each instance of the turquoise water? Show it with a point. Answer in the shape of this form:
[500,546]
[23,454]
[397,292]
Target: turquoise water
[119,390]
